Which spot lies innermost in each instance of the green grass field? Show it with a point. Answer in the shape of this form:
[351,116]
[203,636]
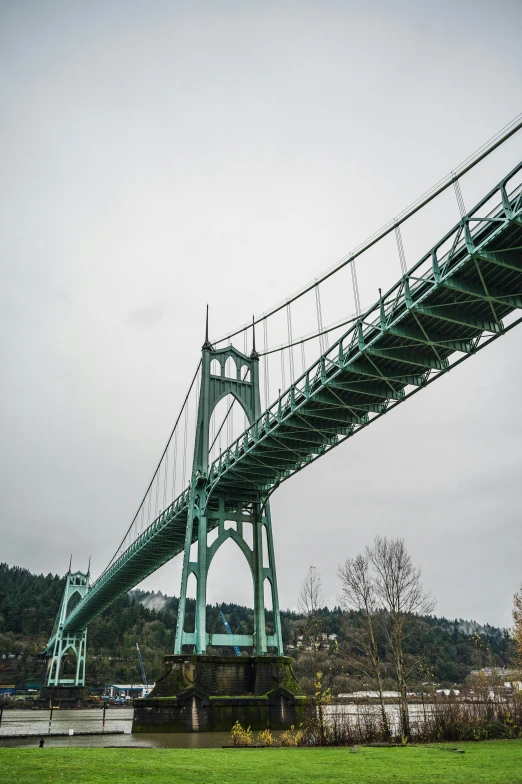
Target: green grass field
[491,762]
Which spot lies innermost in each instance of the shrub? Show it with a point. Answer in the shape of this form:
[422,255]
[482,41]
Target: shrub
[291,737]
[240,736]
[266,738]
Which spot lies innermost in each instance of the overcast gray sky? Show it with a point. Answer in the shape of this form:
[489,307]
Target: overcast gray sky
[157,156]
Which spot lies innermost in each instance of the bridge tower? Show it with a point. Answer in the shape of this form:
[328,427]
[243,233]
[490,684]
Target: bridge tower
[210,509]
[76,587]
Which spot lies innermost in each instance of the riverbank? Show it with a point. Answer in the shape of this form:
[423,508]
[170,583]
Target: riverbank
[488,762]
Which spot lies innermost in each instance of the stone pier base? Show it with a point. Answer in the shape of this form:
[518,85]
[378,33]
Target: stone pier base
[210,693]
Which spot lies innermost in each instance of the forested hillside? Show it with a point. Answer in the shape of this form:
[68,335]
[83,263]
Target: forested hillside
[443,651]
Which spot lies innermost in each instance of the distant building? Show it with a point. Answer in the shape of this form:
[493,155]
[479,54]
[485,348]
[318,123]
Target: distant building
[447,692]
[369,695]
[128,691]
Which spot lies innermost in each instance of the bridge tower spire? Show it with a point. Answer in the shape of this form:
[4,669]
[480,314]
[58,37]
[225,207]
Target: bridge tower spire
[211,508]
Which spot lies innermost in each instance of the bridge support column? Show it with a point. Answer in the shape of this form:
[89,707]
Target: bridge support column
[237,516]
[272,577]
[65,644]
[201,596]
[259,588]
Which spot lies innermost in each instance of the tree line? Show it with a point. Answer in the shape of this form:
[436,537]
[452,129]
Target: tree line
[434,649]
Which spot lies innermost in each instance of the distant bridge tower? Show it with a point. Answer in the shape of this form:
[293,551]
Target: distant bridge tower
[65,642]
[210,508]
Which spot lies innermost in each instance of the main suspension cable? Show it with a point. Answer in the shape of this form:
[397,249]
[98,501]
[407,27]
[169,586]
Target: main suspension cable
[469,163]
[157,467]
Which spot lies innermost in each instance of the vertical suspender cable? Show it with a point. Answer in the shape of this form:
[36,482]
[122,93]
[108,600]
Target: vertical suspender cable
[355,285]
[157,493]
[460,199]
[185,443]
[283,380]
[211,431]
[400,248]
[174,464]
[265,360]
[319,318]
[290,341]
[166,480]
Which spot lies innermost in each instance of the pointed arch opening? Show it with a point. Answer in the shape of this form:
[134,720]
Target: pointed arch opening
[230,368]
[248,534]
[269,608]
[227,423]
[215,367]
[52,672]
[264,539]
[230,590]
[190,606]
[74,599]
[69,664]
[194,548]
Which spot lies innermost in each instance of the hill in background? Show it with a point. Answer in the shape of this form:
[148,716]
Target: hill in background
[447,650]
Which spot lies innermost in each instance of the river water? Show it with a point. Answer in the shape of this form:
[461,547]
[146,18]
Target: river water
[24,722]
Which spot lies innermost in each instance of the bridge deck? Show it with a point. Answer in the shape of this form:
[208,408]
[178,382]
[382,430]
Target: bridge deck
[457,298]
[447,306]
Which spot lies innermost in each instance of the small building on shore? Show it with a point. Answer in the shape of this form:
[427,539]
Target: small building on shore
[127,691]
[369,695]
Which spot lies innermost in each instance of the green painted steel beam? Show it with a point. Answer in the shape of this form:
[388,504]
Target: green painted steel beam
[384,375]
[227,640]
[490,295]
[304,438]
[363,388]
[498,259]
[331,398]
[406,357]
[458,316]
[430,338]
[329,415]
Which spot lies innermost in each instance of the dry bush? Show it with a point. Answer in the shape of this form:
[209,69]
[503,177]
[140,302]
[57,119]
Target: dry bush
[240,736]
[266,738]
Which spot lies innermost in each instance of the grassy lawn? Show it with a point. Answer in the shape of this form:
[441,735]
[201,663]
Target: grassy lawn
[491,762]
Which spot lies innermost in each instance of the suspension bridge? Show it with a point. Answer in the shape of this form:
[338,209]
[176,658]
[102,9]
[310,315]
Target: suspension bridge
[462,293]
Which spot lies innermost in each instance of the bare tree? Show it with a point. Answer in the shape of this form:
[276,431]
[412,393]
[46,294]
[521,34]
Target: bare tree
[398,587]
[310,602]
[517,627]
[358,593]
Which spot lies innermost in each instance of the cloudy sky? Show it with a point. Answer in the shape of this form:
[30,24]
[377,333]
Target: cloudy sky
[157,156]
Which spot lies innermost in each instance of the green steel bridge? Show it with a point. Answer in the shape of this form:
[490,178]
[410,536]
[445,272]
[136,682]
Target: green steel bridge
[464,293]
